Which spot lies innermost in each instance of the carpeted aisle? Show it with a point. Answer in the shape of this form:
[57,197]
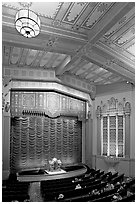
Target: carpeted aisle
[34,192]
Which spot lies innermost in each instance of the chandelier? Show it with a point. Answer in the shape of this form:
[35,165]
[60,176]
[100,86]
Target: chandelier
[27,23]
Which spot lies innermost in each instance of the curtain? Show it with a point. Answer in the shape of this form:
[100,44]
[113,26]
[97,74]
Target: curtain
[36,140]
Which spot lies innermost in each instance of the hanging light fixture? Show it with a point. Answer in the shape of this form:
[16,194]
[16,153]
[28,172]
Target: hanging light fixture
[27,23]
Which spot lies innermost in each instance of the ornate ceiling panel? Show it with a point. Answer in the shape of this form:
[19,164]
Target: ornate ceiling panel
[48,10]
[96,14]
[92,41]
[31,58]
[94,74]
[121,37]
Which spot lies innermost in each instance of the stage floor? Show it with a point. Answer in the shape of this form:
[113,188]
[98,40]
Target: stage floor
[24,177]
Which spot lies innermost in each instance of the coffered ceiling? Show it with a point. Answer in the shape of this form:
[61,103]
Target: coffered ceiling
[92,41]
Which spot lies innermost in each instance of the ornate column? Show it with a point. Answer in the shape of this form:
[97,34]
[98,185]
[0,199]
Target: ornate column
[98,114]
[127,129]
[83,142]
[89,128]
[6,128]
[88,133]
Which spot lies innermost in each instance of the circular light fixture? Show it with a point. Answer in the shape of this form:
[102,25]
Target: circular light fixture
[27,23]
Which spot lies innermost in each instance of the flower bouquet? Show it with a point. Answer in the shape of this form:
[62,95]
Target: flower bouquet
[54,164]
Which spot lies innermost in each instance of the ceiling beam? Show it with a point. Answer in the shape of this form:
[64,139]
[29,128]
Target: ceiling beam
[60,68]
[107,50]
[113,88]
[46,30]
[111,66]
[110,57]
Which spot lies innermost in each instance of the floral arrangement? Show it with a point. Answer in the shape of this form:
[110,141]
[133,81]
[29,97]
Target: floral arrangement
[54,164]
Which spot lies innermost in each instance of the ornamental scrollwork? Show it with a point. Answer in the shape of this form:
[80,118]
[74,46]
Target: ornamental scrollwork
[127,108]
[98,112]
[113,106]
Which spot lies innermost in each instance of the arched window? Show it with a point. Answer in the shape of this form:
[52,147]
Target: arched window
[113,128]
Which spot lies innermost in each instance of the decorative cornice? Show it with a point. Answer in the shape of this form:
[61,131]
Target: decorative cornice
[48,75]
[79,84]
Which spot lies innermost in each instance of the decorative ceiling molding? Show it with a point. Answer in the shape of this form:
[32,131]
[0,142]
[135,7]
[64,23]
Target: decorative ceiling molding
[130,34]
[74,11]
[119,10]
[123,21]
[131,48]
[97,14]
[105,50]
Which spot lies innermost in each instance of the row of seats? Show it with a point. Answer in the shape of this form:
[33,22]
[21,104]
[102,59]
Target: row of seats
[12,190]
[76,186]
[65,182]
[92,186]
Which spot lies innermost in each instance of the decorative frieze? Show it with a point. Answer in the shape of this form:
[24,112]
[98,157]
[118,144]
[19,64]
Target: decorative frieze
[46,103]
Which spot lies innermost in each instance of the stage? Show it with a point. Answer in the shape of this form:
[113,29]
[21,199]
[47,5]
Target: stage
[37,175]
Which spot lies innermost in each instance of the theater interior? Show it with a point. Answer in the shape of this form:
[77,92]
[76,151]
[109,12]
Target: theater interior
[68,101]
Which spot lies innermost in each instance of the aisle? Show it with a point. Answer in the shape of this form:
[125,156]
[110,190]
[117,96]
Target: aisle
[34,192]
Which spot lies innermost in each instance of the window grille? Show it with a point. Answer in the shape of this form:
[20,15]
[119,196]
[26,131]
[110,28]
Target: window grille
[113,128]
[113,136]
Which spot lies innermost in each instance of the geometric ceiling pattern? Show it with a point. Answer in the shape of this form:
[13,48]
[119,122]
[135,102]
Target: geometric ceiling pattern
[92,41]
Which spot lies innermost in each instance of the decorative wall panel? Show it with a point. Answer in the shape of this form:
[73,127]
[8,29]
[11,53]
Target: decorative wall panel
[36,140]
[46,103]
